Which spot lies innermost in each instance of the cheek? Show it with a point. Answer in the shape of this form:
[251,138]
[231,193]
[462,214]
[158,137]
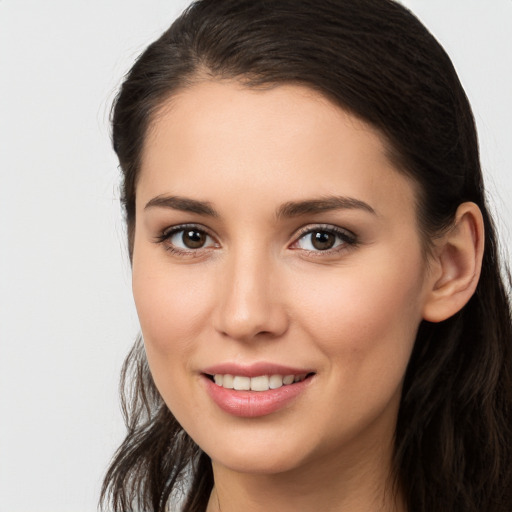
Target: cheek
[368,315]
[172,303]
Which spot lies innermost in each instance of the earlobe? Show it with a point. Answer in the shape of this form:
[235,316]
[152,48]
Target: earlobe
[457,265]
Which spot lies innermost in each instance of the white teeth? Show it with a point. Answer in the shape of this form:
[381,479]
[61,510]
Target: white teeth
[227,381]
[259,383]
[275,381]
[242,383]
[288,379]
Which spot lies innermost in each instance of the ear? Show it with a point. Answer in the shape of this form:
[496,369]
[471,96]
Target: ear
[456,265]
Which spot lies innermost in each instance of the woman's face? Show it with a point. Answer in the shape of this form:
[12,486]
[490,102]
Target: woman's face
[275,242]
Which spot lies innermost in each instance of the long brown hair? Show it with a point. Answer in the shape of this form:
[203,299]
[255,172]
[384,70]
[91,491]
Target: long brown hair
[453,443]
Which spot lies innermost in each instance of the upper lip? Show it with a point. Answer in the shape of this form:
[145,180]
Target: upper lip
[254,369]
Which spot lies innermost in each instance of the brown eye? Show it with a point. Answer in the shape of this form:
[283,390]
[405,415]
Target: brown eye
[187,239]
[193,239]
[322,240]
[325,239]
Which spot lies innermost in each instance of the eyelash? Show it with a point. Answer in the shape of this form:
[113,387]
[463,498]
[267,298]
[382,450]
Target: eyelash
[167,234]
[347,239]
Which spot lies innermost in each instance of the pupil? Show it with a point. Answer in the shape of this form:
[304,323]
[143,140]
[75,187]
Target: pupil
[322,240]
[193,239]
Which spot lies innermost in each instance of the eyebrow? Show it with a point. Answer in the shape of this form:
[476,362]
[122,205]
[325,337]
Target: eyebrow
[287,210]
[183,204]
[314,206]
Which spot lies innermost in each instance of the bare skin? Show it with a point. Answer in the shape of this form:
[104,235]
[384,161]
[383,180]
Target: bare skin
[360,488]
[272,228]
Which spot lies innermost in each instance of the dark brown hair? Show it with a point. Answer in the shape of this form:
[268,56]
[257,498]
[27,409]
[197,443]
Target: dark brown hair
[453,443]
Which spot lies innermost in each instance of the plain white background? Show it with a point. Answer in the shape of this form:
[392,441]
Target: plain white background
[66,314]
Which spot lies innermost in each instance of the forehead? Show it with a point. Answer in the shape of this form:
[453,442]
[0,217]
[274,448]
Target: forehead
[287,142]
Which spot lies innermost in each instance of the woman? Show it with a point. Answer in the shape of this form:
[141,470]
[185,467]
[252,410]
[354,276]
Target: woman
[314,267]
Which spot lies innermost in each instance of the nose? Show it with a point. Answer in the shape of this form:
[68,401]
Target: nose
[250,304]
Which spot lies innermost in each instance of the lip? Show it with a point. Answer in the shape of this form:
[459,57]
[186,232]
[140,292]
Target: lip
[255,369]
[252,404]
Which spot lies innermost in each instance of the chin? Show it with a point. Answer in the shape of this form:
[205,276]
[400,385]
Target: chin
[256,464]
[265,456]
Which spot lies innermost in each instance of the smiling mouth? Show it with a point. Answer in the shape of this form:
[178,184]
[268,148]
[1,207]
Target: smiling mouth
[258,383]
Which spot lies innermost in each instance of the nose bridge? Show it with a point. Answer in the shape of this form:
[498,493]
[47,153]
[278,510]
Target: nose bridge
[249,305]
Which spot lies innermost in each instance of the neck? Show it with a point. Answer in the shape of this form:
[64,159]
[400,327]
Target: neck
[344,483]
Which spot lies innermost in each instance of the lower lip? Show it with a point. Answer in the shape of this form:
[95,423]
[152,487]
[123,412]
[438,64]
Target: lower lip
[251,404]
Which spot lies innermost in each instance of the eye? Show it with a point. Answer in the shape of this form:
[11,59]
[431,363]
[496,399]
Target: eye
[323,239]
[186,239]
[189,239]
